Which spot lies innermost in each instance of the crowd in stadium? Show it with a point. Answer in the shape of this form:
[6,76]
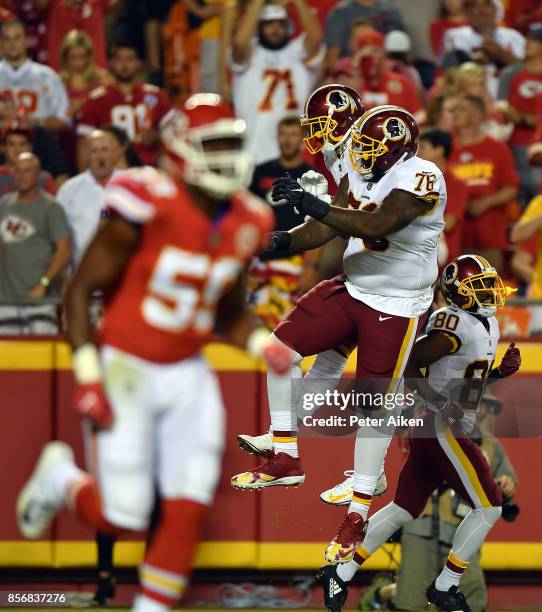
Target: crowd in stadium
[469,70]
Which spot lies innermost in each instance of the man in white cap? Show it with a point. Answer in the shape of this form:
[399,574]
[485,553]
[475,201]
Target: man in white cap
[273,73]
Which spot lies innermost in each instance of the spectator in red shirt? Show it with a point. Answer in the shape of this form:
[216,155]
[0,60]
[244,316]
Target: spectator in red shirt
[127,103]
[16,139]
[452,15]
[519,86]
[486,166]
[436,146]
[377,84]
[66,15]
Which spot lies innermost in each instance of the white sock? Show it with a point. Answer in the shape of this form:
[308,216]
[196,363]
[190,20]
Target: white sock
[446,579]
[283,398]
[142,603]
[346,571]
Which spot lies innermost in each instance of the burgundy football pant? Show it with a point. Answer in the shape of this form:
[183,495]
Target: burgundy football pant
[327,317]
[439,454]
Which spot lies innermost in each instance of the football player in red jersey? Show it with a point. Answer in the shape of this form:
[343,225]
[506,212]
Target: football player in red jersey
[135,107]
[170,260]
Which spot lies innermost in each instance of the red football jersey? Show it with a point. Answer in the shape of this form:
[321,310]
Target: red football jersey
[142,110]
[163,309]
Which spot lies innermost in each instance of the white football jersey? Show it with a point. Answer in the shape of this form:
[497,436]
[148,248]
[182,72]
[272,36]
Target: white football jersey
[269,86]
[395,275]
[474,352]
[36,87]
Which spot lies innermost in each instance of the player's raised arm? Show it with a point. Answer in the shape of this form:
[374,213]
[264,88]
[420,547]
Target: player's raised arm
[309,235]
[245,31]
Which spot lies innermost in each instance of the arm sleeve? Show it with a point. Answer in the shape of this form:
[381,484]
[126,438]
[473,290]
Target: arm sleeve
[445,321]
[57,222]
[128,195]
[58,103]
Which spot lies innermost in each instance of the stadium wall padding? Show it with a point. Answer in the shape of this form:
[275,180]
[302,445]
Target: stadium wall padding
[274,529]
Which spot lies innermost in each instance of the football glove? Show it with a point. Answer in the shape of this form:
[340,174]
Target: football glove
[288,189]
[90,402]
[511,361]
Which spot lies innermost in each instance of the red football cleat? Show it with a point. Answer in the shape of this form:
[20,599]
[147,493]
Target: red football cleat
[350,536]
[280,470]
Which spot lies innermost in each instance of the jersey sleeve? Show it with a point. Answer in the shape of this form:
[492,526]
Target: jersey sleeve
[57,99]
[506,168]
[446,321]
[130,194]
[423,180]
[90,116]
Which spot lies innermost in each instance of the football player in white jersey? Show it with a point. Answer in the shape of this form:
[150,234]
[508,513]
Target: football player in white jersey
[395,221]
[329,114]
[37,89]
[459,346]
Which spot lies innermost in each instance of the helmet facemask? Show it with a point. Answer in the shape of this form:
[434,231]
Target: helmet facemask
[485,292]
[364,152]
[318,130]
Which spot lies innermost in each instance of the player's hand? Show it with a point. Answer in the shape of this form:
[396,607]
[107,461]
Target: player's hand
[507,485]
[277,244]
[278,357]
[451,411]
[511,361]
[285,188]
[90,402]
[38,291]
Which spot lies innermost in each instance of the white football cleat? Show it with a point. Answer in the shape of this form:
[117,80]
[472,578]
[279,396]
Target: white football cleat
[341,494]
[37,503]
[262,446]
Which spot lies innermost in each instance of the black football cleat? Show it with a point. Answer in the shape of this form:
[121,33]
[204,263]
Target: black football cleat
[335,589]
[451,600]
[105,590]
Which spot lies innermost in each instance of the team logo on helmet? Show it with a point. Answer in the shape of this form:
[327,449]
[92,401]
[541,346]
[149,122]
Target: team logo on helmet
[395,129]
[450,273]
[339,101]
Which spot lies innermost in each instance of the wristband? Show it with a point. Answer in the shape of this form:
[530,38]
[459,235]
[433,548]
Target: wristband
[257,341]
[314,206]
[281,241]
[86,364]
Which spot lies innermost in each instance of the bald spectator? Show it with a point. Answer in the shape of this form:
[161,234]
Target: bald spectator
[38,90]
[83,196]
[34,239]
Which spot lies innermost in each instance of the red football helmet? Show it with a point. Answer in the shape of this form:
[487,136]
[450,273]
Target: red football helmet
[330,113]
[472,283]
[207,142]
[384,136]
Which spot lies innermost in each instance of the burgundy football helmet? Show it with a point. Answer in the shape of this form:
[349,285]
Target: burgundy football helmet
[206,142]
[381,138]
[472,284]
[330,113]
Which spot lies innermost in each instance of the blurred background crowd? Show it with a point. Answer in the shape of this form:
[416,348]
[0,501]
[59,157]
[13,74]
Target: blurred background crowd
[85,83]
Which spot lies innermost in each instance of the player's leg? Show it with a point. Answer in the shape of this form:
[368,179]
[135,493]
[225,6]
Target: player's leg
[318,323]
[105,588]
[417,481]
[119,496]
[190,440]
[385,343]
[463,465]
[323,375]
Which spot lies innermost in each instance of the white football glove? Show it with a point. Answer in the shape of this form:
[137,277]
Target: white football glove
[315,184]
[468,421]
